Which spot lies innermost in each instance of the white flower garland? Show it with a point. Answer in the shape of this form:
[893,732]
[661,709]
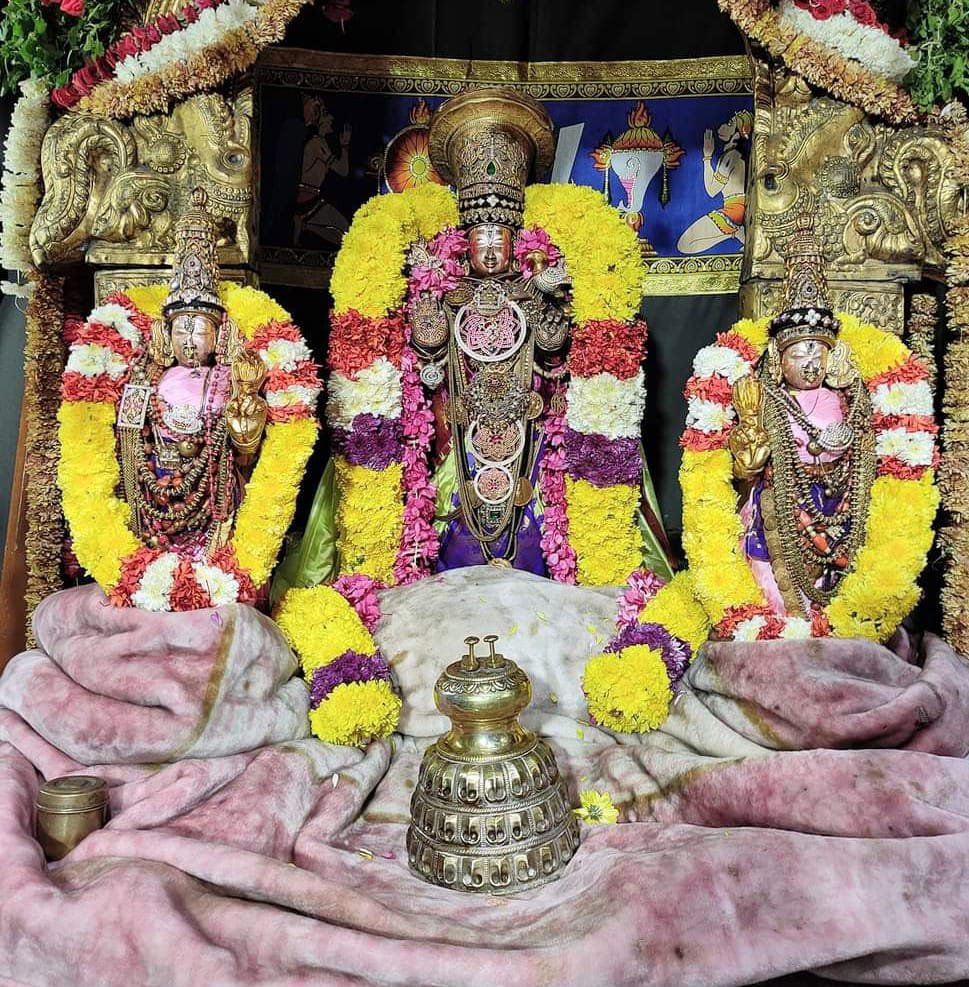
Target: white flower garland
[182,45]
[21,184]
[863,43]
[604,405]
[376,390]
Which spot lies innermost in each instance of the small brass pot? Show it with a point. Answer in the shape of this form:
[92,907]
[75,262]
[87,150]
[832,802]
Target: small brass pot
[68,809]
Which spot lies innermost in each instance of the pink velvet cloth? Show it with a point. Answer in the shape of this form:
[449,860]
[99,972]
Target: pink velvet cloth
[806,806]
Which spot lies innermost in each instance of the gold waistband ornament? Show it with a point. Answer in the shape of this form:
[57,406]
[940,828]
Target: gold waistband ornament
[490,812]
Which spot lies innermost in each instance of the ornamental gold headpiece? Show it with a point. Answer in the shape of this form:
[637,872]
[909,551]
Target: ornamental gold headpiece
[195,273]
[487,142]
[807,313]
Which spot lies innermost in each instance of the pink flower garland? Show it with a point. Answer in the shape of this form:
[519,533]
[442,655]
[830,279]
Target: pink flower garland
[360,591]
[641,587]
[559,554]
[419,542]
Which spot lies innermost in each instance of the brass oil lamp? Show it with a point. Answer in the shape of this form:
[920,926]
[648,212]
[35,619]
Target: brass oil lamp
[490,812]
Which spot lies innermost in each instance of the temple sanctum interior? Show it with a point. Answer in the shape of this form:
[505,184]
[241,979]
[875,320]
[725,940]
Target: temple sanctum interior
[485,493]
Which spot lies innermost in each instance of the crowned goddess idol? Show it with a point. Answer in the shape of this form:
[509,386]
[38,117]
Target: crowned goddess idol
[169,393]
[191,418]
[531,387]
[804,448]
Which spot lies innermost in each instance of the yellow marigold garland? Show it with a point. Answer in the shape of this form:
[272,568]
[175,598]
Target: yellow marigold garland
[628,691]
[88,475]
[356,712]
[606,268]
[882,588]
[322,628]
[320,625]
[676,608]
[370,518]
[603,531]
[368,275]
[267,509]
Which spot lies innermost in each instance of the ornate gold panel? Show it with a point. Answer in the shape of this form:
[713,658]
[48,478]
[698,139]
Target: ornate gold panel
[884,199]
[113,191]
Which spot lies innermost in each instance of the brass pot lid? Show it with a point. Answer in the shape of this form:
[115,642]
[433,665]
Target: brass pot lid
[77,793]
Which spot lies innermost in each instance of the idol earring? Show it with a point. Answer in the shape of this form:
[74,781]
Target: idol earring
[160,345]
[841,367]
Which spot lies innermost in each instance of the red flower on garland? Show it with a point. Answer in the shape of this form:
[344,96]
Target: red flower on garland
[863,13]
[821,10]
[695,440]
[187,593]
[910,372]
[737,342]
[132,570]
[714,388]
[356,341]
[608,346]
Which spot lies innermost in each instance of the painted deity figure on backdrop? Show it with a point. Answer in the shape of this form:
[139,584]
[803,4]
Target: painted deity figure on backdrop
[314,216]
[191,418]
[803,449]
[728,178]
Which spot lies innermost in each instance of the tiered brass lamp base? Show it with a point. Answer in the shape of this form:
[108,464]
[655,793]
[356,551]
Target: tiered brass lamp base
[490,812]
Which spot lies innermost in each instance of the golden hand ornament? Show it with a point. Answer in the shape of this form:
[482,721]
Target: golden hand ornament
[246,411]
[749,441]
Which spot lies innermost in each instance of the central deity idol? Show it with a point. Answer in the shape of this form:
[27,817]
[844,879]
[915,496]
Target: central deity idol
[496,333]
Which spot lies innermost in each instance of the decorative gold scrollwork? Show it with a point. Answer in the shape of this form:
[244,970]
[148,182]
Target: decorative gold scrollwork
[112,190]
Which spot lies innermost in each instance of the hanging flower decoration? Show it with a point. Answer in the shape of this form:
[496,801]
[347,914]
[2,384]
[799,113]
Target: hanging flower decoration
[863,84]
[629,687]
[102,352]
[591,479]
[852,28]
[195,49]
[382,421]
[881,589]
[21,180]
[352,694]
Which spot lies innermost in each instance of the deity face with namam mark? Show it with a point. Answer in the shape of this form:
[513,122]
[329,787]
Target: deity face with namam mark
[490,249]
[805,364]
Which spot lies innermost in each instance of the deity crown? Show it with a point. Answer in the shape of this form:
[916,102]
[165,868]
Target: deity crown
[807,313]
[194,286]
[486,142]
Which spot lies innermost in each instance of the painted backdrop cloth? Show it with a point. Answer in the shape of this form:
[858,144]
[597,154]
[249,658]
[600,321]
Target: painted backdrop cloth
[745,856]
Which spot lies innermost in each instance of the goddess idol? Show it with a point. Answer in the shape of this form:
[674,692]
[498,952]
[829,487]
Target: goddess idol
[196,378]
[462,348]
[824,424]
[191,418]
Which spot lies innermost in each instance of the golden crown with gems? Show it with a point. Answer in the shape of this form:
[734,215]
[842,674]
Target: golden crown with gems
[807,312]
[488,143]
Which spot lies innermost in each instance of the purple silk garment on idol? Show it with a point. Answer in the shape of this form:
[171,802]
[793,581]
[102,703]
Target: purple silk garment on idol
[460,548]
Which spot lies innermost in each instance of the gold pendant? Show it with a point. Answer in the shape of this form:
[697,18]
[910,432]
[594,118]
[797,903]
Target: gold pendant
[523,491]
